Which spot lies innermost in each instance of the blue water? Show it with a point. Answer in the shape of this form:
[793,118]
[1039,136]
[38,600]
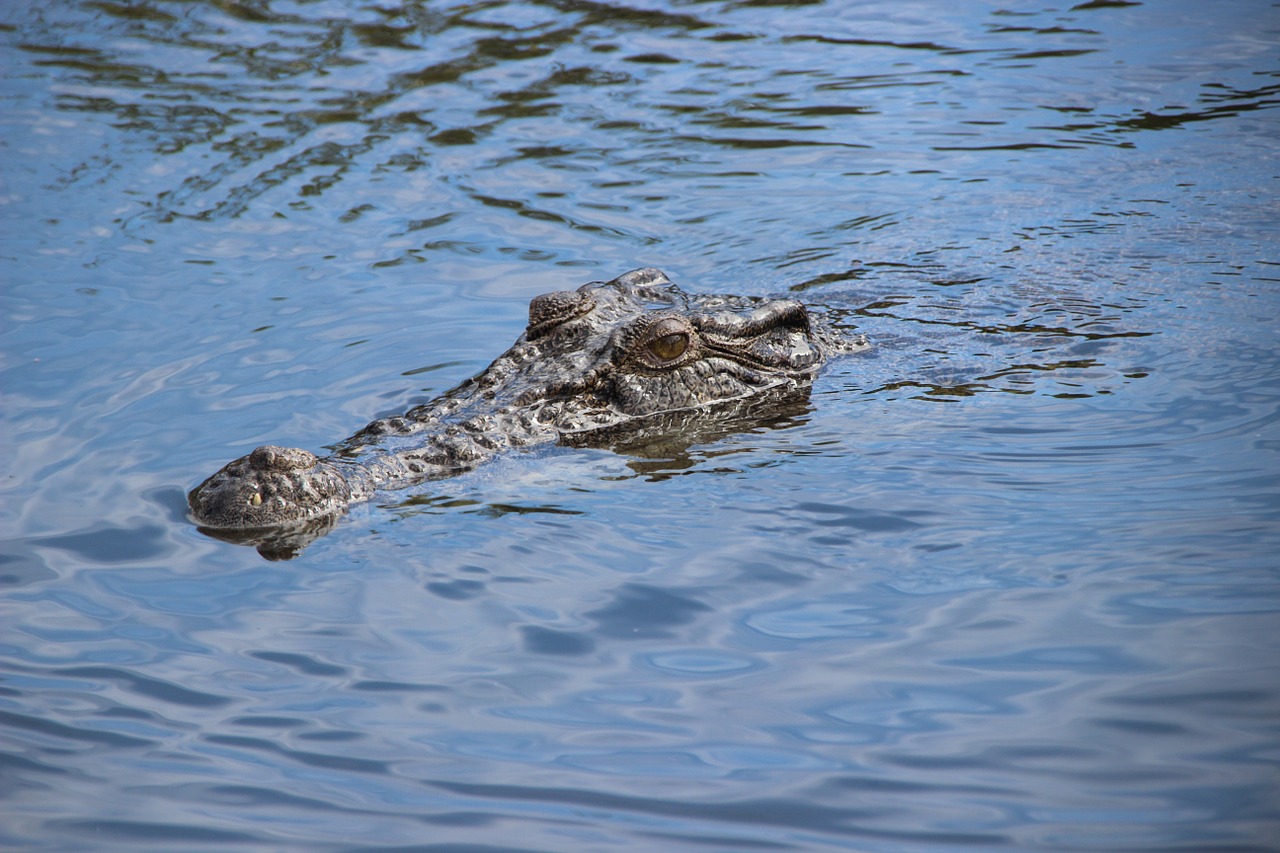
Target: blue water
[1010,581]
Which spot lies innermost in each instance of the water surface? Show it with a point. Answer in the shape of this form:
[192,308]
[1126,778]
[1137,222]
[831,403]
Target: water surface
[1007,582]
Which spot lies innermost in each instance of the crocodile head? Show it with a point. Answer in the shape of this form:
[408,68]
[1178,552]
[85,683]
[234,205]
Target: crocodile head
[607,358]
[611,355]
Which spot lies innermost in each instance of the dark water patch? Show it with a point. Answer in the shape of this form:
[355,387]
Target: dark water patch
[726,841]
[857,42]
[146,832]
[451,848]
[22,566]
[1142,727]
[111,545]
[151,688]
[870,521]
[457,590]
[302,663]
[1221,700]
[383,686]
[642,612]
[61,731]
[547,641]
[259,797]
[872,785]
[497,510]
[268,722]
[303,757]
[16,764]
[330,736]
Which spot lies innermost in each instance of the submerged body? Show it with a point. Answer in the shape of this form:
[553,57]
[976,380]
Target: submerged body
[606,358]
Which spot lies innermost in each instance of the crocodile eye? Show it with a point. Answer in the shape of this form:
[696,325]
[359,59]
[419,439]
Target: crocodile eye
[669,347]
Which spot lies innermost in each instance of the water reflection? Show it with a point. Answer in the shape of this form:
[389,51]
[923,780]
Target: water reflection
[247,101]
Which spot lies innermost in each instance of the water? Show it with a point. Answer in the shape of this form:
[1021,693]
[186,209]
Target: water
[1009,582]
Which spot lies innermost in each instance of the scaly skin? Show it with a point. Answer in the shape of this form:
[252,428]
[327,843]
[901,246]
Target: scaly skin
[606,357]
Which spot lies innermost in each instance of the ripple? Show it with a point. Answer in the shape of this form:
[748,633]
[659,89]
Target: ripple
[132,682]
[1080,659]
[647,762]
[816,621]
[812,818]
[344,763]
[700,663]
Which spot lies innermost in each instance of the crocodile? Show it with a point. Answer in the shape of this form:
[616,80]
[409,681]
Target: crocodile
[594,365]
